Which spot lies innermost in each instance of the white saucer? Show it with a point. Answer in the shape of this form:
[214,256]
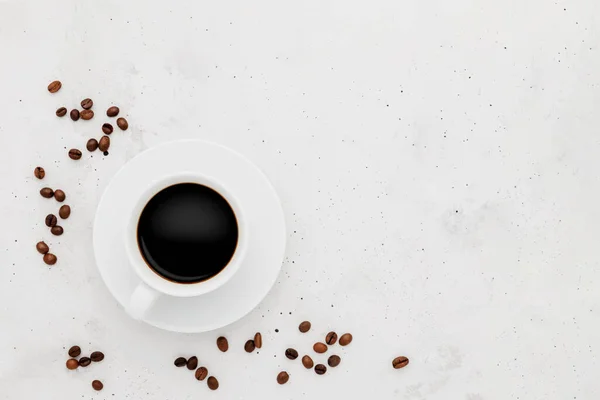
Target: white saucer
[265,226]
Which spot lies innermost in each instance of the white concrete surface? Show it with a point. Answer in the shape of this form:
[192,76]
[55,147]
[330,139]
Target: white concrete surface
[438,162]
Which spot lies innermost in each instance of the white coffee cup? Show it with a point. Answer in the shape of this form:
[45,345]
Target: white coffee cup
[153,285]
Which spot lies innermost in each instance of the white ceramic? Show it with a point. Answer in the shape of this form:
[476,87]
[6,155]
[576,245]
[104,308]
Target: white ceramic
[220,300]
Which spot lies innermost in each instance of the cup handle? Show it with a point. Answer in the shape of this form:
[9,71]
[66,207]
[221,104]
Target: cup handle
[141,301]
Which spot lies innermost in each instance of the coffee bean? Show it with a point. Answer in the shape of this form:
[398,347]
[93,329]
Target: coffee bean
[84,361]
[258,340]
[59,195]
[105,153]
[222,344]
[292,354]
[64,212]
[51,220]
[87,114]
[74,115]
[104,143]
[49,258]
[192,363]
[201,373]
[47,192]
[249,346]
[39,172]
[75,351]
[304,327]
[180,362]
[91,144]
[400,362]
[42,247]
[107,128]
[320,369]
[334,361]
[213,383]
[282,378]
[345,339]
[97,356]
[54,86]
[72,364]
[307,362]
[320,347]
[86,104]
[112,111]
[122,123]
[331,338]
[61,112]
[75,154]
[97,385]
[57,230]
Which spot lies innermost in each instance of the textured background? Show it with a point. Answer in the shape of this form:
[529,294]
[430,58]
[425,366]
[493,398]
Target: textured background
[437,162]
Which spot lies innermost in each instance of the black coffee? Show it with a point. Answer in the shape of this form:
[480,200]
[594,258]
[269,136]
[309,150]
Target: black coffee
[187,233]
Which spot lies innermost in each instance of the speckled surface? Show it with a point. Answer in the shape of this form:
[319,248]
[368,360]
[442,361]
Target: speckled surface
[437,162]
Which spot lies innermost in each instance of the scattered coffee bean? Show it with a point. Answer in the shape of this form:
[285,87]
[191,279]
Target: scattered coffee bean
[51,220]
[320,347]
[75,154]
[107,128]
[49,258]
[42,247]
[86,104]
[180,362]
[87,114]
[97,356]
[74,114]
[91,144]
[75,351]
[249,346]
[192,363]
[57,230]
[72,364]
[213,383]
[105,153]
[345,339]
[282,378]
[304,327]
[39,172]
[97,385]
[201,373]
[122,123]
[59,195]
[331,338]
[258,340]
[104,143]
[222,343]
[320,369]
[84,361]
[334,361]
[64,212]
[400,362]
[61,112]
[292,354]
[307,362]
[112,111]
[54,86]
[47,192]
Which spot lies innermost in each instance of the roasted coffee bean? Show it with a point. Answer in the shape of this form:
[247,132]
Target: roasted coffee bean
[64,212]
[84,361]
[72,364]
[42,247]
[192,363]
[47,192]
[400,362]
[39,172]
[249,346]
[105,153]
[97,356]
[112,111]
[61,112]
[104,143]
[334,361]
[222,343]
[331,338]
[50,259]
[74,154]
[97,385]
[201,373]
[345,339]
[91,144]
[51,220]
[307,362]
[304,327]
[292,354]
[320,347]
[59,195]
[54,87]
[86,114]
[258,340]
[57,230]
[320,369]
[74,114]
[107,128]
[122,123]
[282,378]
[180,362]
[86,104]
[213,383]
[75,351]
